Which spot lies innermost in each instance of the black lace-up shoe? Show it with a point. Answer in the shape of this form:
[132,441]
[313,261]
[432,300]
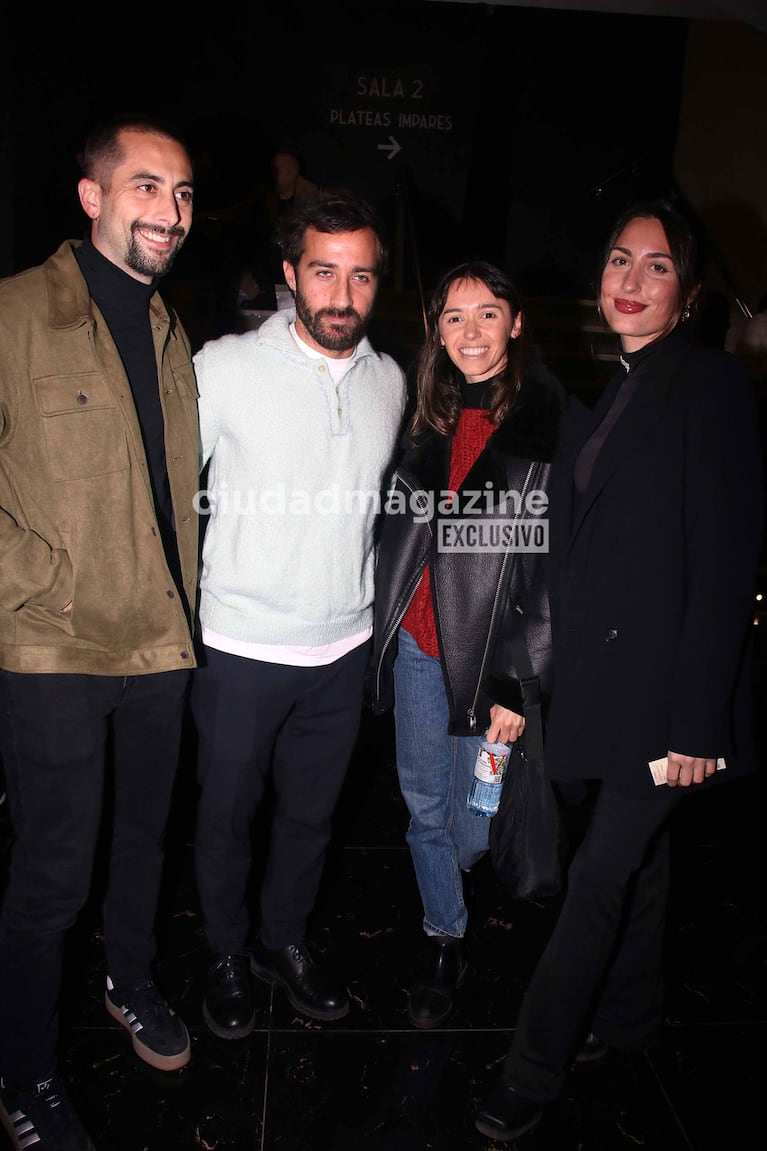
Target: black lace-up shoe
[297,970]
[507,1115]
[160,1038]
[42,1118]
[593,1049]
[228,1007]
[441,970]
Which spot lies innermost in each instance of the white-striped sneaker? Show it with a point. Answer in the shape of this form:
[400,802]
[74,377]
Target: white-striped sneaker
[42,1118]
[160,1038]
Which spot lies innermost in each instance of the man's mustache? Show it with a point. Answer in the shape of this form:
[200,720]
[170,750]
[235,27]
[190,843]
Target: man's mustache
[338,313]
[175,230]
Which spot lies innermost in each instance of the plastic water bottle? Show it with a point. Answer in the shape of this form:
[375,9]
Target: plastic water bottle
[489,769]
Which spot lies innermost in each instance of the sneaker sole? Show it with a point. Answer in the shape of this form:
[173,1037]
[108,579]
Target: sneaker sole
[591,1057]
[159,1062]
[312,1012]
[227,1032]
[497,1136]
[433,1023]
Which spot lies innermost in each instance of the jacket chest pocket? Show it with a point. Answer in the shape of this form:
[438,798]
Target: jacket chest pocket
[83,426]
[181,432]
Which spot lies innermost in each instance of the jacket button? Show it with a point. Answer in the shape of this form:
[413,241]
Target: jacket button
[169,593]
[184,654]
[611,634]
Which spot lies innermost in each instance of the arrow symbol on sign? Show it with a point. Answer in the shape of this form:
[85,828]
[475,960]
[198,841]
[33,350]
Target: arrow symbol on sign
[392,148]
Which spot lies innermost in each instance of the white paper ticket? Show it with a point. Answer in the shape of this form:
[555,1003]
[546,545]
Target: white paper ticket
[659,767]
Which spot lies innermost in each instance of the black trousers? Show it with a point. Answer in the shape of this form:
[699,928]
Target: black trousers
[601,969]
[55,731]
[256,721]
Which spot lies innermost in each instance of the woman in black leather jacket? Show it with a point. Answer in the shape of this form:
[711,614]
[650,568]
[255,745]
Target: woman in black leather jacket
[460,589]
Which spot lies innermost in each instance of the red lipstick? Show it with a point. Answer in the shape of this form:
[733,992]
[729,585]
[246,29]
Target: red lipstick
[629,307]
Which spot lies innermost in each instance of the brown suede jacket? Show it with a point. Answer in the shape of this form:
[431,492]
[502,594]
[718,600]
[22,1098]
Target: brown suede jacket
[77,519]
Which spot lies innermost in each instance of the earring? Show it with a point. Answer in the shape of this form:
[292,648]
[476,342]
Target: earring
[685,315]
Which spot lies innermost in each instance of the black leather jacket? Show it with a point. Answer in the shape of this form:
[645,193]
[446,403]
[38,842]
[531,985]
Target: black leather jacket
[485,599]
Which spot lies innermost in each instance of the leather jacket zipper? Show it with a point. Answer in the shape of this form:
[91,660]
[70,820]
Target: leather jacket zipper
[408,597]
[471,715]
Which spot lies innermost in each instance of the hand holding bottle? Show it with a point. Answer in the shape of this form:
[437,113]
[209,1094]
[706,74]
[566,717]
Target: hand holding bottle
[505,726]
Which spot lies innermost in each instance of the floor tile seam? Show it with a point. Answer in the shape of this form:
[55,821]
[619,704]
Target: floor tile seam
[715,1024]
[398,847]
[670,1104]
[674,1031]
[265,1093]
[200,1031]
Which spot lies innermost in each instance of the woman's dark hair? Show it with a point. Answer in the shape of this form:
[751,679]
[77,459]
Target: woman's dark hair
[438,380]
[685,248]
[331,210]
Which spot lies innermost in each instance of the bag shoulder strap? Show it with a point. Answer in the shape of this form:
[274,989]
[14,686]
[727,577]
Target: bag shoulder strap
[531,694]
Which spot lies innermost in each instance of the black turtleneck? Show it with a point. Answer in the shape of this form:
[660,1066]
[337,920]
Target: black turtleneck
[475,395]
[632,364]
[124,303]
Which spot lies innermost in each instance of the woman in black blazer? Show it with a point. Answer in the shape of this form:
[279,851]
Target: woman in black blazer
[656,528]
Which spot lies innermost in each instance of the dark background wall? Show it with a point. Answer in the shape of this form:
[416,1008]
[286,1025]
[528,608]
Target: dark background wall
[516,132]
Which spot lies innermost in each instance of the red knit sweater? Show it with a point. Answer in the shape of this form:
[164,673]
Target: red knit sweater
[471,435]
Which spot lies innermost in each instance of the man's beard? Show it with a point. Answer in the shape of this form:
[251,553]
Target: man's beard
[319,325]
[152,263]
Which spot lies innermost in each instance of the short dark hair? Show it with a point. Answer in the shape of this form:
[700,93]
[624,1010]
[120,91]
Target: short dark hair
[686,248]
[330,210]
[103,151]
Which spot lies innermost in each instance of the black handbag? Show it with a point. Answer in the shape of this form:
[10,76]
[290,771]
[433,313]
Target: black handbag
[526,831]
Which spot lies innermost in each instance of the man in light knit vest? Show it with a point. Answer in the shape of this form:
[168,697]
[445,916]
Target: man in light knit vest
[299,424]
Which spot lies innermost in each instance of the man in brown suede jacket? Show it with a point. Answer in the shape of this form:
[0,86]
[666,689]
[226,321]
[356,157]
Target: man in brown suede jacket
[98,570]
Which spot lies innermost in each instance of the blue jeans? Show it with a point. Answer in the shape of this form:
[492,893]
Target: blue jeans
[435,773]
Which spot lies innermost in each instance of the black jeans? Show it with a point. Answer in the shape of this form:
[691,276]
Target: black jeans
[256,721]
[601,969]
[55,731]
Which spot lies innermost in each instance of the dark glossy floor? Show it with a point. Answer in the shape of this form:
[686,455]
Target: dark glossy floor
[371,1081]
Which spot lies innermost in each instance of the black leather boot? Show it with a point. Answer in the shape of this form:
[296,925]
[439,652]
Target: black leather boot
[592,1050]
[441,970]
[229,1008]
[308,985]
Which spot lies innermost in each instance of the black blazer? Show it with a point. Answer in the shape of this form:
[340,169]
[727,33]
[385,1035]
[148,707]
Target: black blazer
[653,571]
